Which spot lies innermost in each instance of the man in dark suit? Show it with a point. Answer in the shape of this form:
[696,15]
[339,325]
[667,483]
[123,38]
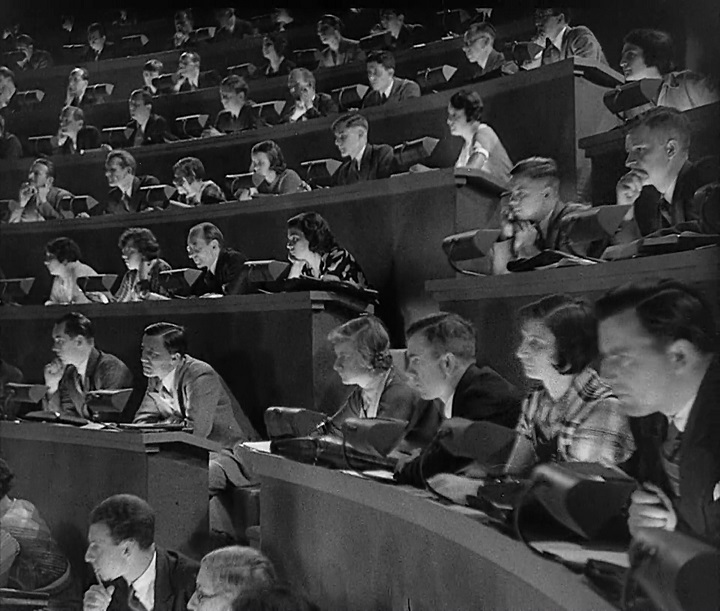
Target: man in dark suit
[183,388]
[125,194]
[402,35]
[10,147]
[79,367]
[238,113]
[137,573]
[73,135]
[77,93]
[98,46]
[306,103]
[385,87]
[657,340]
[35,59]
[39,198]
[231,28]
[364,161]
[562,40]
[662,180]
[338,50]
[9,102]
[145,126]
[482,58]
[441,366]
[223,271]
[189,77]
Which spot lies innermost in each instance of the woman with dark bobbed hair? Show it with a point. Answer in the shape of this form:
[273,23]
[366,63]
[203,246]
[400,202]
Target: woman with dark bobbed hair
[314,252]
[649,54]
[271,173]
[62,259]
[363,359]
[481,148]
[572,415]
[274,47]
[141,254]
[192,187]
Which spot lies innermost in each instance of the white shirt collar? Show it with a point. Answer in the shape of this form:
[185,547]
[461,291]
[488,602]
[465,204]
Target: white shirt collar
[169,381]
[126,186]
[359,157]
[668,195]
[557,41]
[82,367]
[144,585]
[447,408]
[680,418]
[386,93]
[143,124]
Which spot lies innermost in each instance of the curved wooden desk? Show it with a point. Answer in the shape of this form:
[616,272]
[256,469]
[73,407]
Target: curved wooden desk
[357,544]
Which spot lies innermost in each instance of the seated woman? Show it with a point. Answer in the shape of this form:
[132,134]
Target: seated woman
[482,148]
[30,559]
[270,168]
[648,54]
[192,188]
[62,259]
[362,359]
[571,415]
[227,572]
[273,49]
[315,253]
[140,252]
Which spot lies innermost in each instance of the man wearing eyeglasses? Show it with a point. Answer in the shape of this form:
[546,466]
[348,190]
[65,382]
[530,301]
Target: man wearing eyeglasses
[561,40]
[223,267]
[482,58]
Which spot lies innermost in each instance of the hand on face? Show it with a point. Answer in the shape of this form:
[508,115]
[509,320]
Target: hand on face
[27,191]
[97,598]
[629,186]
[651,508]
[524,236]
[53,372]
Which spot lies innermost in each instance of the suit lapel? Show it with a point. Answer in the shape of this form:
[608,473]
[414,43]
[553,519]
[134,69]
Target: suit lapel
[164,598]
[88,381]
[179,385]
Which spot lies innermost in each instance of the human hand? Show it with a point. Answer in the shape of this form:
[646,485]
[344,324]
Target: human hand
[629,186]
[26,193]
[455,487]
[524,238]
[651,508]
[98,598]
[53,373]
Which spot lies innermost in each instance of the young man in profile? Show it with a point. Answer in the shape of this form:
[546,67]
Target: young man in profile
[364,161]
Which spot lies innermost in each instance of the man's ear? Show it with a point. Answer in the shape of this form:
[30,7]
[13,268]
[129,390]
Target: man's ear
[672,148]
[683,355]
[447,363]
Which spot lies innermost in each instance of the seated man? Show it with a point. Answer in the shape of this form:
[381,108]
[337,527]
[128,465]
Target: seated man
[535,218]
[138,573]
[189,77]
[184,24]
[231,28]
[306,103]
[192,188]
[151,70]
[441,365]
[9,102]
[364,161]
[658,341]
[10,147]
[649,54]
[238,112]
[223,271]
[339,50]
[39,564]
[145,126]
[39,198]
[563,41]
[384,86]
[77,94]
[98,46]
[662,180]
[35,59]
[125,194]
[79,367]
[185,389]
[482,58]
[402,35]
[73,136]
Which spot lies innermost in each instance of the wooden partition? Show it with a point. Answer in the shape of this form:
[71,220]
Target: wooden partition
[492,302]
[270,349]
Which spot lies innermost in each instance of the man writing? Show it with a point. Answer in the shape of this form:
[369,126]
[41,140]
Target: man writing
[122,551]
[79,367]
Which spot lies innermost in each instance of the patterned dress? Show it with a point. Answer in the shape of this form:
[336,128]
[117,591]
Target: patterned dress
[339,262]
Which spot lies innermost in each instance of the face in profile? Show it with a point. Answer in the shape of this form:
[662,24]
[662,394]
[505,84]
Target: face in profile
[647,152]
[231,100]
[477,45]
[108,559]
[632,62]
[350,140]
[379,76]
[202,254]
[260,164]
[547,24]
[634,364]
[155,358]
[424,372]
[55,267]
[457,121]
[139,111]
[207,595]
[350,365]
[298,245]
[96,40]
[38,175]
[268,49]
[327,34]
[537,351]
[131,256]
[148,77]
[76,81]
[528,198]
[302,90]
[391,21]
[115,172]
[67,349]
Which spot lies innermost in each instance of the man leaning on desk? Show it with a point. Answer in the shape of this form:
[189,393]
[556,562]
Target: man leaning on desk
[79,367]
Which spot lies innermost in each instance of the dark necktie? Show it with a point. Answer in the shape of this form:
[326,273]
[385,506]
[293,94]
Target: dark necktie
[139,136]
[134,603]
[72,392]
[334,55]
[125,200]
[551,54]
[383,98]
[665,213]
[671,456]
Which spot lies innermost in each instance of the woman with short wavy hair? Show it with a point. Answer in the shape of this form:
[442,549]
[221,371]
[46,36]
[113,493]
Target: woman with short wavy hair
[141,255]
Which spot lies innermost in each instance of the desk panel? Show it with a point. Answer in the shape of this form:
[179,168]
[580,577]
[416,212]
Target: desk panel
[357,544]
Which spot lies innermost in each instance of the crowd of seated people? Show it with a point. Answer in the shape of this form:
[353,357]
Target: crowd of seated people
[627,382]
